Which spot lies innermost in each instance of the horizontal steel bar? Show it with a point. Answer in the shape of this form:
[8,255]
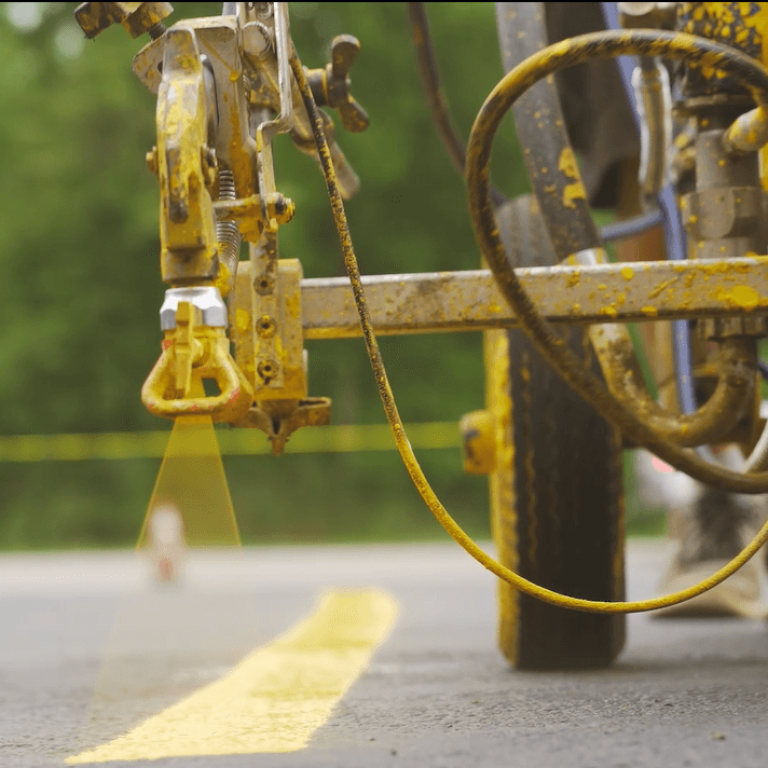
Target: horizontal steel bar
[470,301]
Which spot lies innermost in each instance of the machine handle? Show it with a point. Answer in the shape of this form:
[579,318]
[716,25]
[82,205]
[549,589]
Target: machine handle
[230,405]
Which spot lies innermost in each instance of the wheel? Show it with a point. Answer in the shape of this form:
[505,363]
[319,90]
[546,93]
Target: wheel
[556,488]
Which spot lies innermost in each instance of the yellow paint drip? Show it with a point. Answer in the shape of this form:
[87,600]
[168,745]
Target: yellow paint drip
[650,311]
[276,698]
[661,286]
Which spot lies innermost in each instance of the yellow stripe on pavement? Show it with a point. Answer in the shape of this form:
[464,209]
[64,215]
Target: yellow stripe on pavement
[276,698]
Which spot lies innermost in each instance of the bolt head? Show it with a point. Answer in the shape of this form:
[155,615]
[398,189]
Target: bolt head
[257,40]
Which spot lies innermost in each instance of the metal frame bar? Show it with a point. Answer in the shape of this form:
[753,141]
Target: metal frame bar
[470,301]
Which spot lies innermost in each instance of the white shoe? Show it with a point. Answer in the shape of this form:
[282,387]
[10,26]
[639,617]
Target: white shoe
[737,597]
[712,527]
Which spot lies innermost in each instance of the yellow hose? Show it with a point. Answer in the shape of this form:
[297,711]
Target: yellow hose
[545,62]
[404,446]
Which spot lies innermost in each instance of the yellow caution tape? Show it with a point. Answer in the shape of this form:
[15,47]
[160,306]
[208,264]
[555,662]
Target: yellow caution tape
[232,442]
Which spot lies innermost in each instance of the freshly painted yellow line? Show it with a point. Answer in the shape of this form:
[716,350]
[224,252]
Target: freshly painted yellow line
[276,698]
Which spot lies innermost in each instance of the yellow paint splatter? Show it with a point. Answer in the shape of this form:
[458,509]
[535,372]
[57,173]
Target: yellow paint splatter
[627,273]
[567,163]
[659,288]
[745,296]
[573,192]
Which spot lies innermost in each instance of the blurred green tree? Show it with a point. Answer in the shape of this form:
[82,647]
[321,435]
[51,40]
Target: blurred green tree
[80,287]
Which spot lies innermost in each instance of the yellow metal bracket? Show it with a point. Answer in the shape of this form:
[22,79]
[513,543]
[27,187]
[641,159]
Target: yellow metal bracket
[279,419]
[266,321]
[185,164]
[248,213]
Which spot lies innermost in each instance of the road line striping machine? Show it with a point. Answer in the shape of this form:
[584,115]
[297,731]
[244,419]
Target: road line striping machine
[566,397]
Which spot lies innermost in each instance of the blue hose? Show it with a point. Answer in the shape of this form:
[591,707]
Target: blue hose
[674,234]
[631,227]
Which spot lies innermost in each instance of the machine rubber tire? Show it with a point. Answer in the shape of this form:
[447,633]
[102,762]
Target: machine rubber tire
[556,491]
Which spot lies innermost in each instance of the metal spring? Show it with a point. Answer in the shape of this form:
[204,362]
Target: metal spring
[157,30]
[227,232]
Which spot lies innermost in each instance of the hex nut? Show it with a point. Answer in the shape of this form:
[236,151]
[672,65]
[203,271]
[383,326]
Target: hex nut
[206,299]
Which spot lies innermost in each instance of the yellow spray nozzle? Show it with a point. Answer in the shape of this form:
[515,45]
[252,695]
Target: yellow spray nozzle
[186,348]
[193,353]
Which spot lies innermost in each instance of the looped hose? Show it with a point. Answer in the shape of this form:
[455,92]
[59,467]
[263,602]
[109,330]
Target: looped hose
[404,446]
[545,62]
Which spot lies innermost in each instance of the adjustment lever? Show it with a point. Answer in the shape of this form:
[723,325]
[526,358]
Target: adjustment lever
[330,85]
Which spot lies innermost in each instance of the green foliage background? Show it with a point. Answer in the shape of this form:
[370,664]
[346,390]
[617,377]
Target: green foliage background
[80,287]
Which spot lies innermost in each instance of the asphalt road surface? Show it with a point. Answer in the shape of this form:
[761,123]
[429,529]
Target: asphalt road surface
[93,652]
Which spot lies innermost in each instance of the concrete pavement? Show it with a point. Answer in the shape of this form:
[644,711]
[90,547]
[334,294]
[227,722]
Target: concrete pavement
[90,647]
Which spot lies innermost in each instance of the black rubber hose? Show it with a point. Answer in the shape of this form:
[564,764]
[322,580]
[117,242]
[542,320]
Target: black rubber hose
[430,77]
[454,146]
[541,129]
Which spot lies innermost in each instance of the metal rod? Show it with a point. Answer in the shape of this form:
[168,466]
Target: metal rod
[470,301]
